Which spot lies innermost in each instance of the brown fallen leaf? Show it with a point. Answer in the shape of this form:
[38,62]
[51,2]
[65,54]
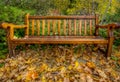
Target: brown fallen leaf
[66,79]
[90,65]
[89,78]
[87,70]
[31,75]
[82,77]
[101,73]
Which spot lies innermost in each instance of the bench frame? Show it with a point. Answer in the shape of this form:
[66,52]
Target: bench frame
[12,43]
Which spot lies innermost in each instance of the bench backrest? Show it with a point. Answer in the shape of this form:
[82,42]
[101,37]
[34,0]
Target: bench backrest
[60,25]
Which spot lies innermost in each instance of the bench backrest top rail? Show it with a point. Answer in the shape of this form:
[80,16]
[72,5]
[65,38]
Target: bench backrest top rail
[63,17]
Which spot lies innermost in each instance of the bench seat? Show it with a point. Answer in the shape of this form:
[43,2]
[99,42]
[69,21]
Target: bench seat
[61,40]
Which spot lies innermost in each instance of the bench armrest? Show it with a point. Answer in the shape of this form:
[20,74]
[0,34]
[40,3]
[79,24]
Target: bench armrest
[113,26]
[10,25]
[10,28]
[109,28]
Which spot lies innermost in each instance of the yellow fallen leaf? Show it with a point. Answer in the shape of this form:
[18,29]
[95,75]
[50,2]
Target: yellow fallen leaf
[63,69]
[43,67]
[28,61]
[31,68]
[13,63]
[76,64]
[114,74]
[19,77]
[43,79]
[70,67]
[1,74]
[7,69]
[58,60]
[60,80]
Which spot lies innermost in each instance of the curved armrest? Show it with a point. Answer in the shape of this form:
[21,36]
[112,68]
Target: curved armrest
[112,26]
[109,28]
[10,31]
[6,25]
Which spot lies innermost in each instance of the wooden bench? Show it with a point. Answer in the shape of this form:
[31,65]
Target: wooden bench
[60,30]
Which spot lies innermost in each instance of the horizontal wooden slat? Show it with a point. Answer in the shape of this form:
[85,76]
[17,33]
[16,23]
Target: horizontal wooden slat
[61,40]
[65,36]
[62,17]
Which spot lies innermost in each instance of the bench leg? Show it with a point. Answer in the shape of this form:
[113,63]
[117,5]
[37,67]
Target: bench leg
[10,49]
[109,47]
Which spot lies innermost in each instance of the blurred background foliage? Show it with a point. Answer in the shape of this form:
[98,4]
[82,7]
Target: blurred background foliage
[14,11]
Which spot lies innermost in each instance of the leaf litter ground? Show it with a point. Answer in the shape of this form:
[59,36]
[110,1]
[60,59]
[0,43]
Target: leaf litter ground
[57,63]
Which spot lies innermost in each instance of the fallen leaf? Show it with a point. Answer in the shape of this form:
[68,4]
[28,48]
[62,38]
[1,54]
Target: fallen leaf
[76,64]
[70,67]
[43,67]
[31,75]
[63,70]
[101,73]
[19,77]
[89,78]
[82,77]
[87,70]
[43,79]
[90,64]
[66,80]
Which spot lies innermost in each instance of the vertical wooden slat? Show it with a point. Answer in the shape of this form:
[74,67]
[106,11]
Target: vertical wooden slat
[74,26]
[53,22]
[33,22]
[38,27]
[85,30]
[27,23]
[80,27]
[59,27]
[48,24]
[69,27]
[64,27]
[96,19]
[43,27]
[90,27]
